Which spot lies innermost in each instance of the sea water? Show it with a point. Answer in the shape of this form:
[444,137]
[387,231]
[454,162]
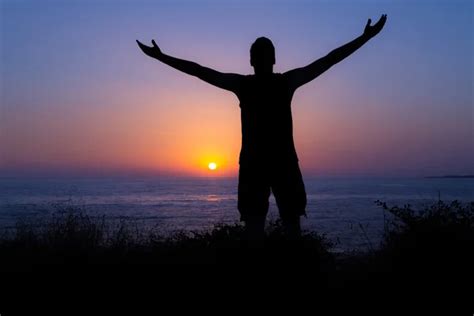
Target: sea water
[342,208]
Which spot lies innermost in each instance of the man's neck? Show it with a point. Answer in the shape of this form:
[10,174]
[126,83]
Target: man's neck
[263,72]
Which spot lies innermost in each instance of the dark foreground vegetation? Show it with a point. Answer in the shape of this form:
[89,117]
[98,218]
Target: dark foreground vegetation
[421,248]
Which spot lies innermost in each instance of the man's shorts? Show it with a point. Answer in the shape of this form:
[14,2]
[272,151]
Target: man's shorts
[284,180]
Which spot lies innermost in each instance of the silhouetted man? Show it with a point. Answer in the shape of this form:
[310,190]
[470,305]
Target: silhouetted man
[268,159]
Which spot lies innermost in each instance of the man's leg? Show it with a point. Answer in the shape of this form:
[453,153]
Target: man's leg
[290,195]
[255,228]
[292,227]
[253,194]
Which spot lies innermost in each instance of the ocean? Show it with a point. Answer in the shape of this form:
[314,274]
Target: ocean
[342,208]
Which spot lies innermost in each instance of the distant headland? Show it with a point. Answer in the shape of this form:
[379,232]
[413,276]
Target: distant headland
[452,177]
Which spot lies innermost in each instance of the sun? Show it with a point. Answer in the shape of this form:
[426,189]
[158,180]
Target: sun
[212,166]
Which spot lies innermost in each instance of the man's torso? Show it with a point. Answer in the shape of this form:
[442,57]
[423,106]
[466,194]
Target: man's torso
[267,128]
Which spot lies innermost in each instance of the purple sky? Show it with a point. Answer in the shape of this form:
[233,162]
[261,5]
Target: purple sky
[77,94]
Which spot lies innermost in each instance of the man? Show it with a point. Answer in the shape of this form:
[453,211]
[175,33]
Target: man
[268,159]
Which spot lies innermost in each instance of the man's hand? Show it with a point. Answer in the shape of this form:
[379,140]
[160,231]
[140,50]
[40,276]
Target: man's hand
[372,30]
[152,51]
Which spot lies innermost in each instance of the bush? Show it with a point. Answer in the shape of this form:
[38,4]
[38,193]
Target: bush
[434,244]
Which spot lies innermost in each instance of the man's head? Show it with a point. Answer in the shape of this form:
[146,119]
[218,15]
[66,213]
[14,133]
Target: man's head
[262,55]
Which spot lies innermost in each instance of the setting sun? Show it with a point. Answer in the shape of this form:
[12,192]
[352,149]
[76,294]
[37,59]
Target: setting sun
[212,166]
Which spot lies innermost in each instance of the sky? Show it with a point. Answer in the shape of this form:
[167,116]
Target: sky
[79,97]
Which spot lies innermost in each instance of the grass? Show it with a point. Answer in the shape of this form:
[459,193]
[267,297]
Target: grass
[71,236]
[431,246]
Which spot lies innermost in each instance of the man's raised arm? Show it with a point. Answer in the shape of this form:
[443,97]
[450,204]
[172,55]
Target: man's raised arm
[300,76]
[227,81]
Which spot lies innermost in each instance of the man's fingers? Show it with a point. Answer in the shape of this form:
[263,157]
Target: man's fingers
[141,44]
[153,42]
[368,22]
